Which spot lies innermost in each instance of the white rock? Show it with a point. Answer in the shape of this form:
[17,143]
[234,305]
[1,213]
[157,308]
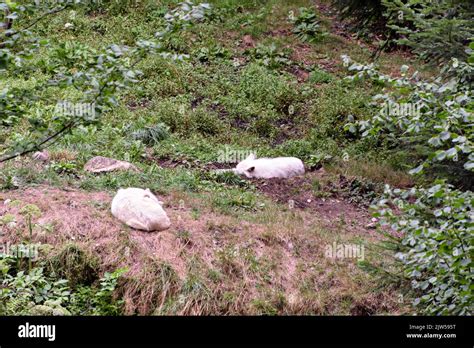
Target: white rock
[140,209]
[266,168]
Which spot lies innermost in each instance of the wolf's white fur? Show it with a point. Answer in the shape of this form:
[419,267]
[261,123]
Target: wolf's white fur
[266,168]
[140,209]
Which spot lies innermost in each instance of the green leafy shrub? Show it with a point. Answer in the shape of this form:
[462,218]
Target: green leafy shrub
[307,27]
[24,290]
[69,55]
[269,56]
[434,30]
[433,228]
[38,291]
[64,167]
[435,115]
[98,300]
[435,244]
[152,135]
[211,53]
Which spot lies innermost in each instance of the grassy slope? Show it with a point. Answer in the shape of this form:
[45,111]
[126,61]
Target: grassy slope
[232,249]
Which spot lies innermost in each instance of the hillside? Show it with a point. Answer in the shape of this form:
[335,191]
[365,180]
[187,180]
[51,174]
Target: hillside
[249,82]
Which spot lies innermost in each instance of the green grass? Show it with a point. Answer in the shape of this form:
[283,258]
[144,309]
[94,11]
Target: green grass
[215,102]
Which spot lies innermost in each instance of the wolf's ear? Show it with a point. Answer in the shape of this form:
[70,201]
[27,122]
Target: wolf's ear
[251,169]
[147,190]
[252,156]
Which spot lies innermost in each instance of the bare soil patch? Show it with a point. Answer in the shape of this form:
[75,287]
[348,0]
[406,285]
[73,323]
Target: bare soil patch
[247,42]
[299,193]
[301,74]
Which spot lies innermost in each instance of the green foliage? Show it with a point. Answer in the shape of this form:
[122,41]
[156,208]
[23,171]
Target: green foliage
[360,191]
[64,167]
[204,122]
[98,300]
[317,160]
[211,53]
[69,55]
[300,148]
[320,76]
[235,200]
[109,140]
[269,56]
[226,177]
[366,14]
[112,7]
[435,30]
[89,79]
[433,227]
[436,115]
[152,135]
[36,291]
[185,14]
[24,290]
[307,26]
[435,245]
[330,108]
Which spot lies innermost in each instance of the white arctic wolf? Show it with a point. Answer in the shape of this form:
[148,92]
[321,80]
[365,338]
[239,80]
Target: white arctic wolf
[266,168]
[140,209]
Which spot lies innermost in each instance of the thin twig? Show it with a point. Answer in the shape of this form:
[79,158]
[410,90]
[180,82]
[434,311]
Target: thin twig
[37,146]
[50,12]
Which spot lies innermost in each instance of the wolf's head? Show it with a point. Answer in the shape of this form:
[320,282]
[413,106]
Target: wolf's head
[247,166]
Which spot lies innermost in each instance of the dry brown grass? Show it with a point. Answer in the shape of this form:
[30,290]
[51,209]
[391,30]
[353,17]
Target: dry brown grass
[376,172]
[270,262]
[62,155]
